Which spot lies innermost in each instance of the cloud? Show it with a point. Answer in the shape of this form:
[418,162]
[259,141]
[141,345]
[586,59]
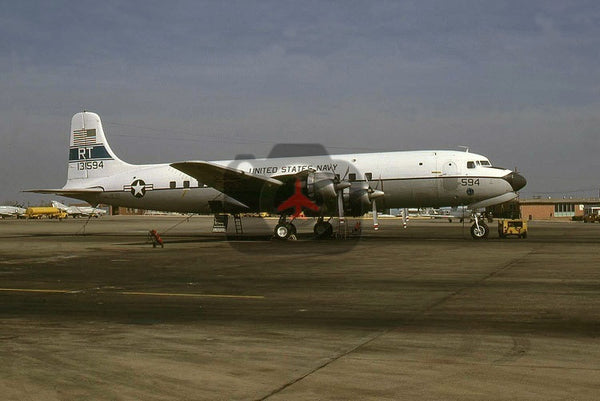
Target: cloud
[516,81]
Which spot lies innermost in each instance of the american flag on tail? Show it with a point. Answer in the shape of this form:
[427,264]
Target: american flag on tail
[84,137]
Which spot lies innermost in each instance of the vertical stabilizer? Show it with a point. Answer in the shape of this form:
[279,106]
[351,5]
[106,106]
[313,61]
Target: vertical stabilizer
[90,156]
[59,205]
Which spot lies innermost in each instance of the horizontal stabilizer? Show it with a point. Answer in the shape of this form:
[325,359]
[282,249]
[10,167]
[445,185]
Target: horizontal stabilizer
[235,183]
[66,191]
[89,195]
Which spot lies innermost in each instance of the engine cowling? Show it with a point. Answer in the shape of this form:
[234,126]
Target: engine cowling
[361,198]
[321,186]
[358,199]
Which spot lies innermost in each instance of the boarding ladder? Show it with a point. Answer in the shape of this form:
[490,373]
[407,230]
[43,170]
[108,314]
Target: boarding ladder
[239,230]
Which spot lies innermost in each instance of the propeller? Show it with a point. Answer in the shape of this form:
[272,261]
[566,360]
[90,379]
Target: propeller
[373,195]
[339,187]
[375,222]
[404,217]
[340,200]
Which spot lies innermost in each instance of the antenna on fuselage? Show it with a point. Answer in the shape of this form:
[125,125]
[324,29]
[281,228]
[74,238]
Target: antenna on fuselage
[466,148]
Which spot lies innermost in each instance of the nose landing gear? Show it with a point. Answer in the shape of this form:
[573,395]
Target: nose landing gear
[479,230]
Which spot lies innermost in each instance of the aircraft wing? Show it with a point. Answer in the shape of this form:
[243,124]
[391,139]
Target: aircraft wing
[245,187]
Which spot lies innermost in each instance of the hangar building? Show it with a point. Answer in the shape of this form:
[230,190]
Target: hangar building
[544,208]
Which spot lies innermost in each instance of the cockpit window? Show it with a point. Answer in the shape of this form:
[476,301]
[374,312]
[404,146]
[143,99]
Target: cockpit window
[470,164]
[484,163]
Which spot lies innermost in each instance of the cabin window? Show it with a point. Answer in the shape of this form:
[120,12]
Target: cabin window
[352,177]
[369,176]
[470,164]
[172,185]
[186,184]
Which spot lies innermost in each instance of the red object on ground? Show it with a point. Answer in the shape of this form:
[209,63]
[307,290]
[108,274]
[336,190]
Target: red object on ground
[156,240]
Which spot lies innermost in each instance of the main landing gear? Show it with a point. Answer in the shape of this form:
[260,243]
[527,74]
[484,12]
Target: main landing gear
[479,230]
[323,229]
[283,229]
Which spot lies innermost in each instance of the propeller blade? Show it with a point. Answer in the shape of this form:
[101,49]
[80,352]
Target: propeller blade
[404,217]
[377,183]
[341,205]
[375,222]
[346,173]
[373,195]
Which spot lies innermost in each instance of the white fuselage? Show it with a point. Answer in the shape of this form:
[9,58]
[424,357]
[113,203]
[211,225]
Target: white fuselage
[11,211]
[407,178]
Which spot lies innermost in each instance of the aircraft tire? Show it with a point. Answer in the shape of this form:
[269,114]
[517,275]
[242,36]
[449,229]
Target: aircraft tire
[292,228]
[284,230]
[480,233]
[323,229]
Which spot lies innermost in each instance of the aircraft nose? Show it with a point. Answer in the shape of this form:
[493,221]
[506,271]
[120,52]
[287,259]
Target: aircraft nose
[516,180]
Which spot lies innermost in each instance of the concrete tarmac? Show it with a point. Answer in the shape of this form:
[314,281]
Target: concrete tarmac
[422,313]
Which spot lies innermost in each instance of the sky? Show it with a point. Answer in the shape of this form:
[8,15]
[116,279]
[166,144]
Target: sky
[518,82]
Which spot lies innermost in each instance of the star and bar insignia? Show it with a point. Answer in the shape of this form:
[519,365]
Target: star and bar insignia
[138,188]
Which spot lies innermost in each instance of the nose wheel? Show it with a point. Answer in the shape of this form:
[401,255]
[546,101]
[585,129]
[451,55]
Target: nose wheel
[479,230]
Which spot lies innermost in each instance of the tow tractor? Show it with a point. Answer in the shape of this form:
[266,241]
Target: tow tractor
[516,227]
[591,214]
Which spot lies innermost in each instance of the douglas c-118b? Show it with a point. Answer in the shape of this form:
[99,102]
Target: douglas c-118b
[319,186]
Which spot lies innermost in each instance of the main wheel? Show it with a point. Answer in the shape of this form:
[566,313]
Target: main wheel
[323,229]
[479,232]
[284,230]
[281,231]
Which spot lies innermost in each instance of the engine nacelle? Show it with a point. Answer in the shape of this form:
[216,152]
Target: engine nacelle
[361,197]
[320,186]
[358,199]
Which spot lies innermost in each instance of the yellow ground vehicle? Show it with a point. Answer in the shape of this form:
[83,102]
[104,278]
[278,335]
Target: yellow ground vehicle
[591,214]
[41,211]
[516,227]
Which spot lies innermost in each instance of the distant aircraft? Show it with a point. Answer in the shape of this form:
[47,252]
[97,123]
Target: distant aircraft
[12,211]
[338,184]
[79,211]
[459,213]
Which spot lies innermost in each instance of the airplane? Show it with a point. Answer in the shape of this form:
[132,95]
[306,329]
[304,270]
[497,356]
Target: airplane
[12,211]
[79,211]
[346,184]
[459,213]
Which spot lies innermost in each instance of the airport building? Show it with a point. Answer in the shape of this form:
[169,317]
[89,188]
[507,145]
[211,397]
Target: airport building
[552,209]
[544,208]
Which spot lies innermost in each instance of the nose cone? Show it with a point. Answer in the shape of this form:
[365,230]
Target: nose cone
[516,180]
